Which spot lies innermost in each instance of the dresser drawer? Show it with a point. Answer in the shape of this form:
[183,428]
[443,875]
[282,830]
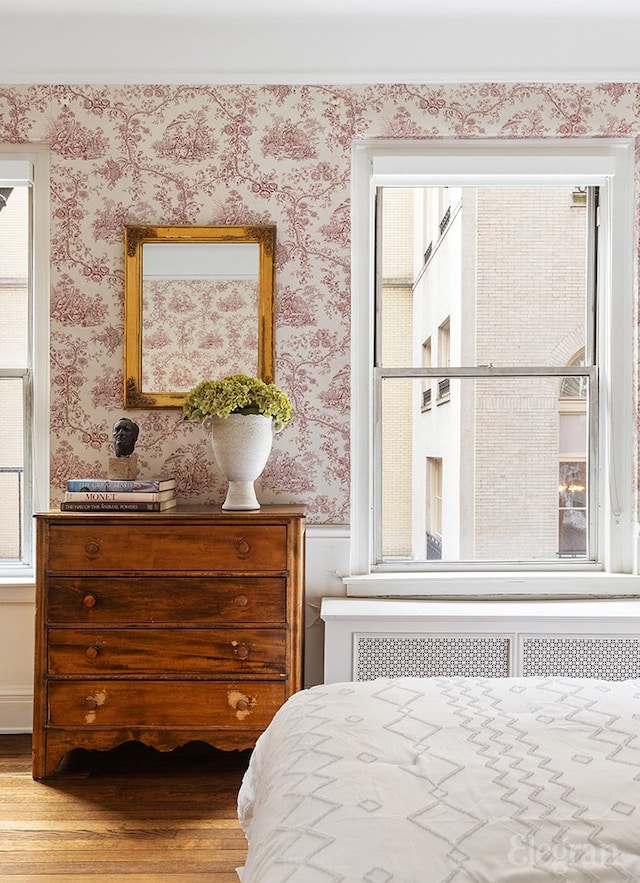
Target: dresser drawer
[164,599]
[163,703]
[177,650]
[121,545]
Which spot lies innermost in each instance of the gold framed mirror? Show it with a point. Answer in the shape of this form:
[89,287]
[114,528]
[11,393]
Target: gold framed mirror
[199,303]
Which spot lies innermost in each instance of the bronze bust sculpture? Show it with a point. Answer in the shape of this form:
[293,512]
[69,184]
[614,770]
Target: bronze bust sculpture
[125,436]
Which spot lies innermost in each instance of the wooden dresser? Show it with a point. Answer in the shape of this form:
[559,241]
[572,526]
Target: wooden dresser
[165,627]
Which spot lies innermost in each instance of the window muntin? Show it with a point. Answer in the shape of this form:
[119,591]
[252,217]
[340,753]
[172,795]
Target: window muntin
[606,164]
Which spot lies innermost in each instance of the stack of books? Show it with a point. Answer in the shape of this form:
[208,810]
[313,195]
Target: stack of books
[119,495]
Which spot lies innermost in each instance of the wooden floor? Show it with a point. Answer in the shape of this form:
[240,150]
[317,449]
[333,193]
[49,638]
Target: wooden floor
[131,815]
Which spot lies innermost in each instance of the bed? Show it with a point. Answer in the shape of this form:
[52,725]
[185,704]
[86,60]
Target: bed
[447,780]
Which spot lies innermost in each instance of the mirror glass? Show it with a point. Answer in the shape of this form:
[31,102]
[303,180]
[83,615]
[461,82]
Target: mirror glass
[198,304]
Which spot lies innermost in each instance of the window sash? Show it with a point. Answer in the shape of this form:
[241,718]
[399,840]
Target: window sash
[19,168]
[20,174]
[379,563]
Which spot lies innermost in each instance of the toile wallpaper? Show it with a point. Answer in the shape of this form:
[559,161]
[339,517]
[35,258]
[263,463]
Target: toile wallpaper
[272,154]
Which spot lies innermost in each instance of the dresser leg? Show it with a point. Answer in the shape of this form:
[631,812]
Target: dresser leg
[46,759]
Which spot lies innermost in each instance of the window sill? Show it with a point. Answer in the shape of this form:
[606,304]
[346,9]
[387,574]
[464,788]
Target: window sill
[493,585]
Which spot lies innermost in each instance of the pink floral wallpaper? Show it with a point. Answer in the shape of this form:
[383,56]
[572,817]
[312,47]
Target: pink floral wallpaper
[271,154]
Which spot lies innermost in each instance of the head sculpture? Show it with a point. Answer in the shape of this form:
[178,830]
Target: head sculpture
[125,436]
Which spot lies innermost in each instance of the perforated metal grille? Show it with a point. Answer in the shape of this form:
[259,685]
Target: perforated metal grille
[611,659]
[423,656]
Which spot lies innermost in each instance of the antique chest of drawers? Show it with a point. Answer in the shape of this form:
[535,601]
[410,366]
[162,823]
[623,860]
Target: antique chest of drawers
[165,627]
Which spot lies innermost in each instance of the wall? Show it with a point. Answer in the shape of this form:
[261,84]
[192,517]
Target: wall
[237,154]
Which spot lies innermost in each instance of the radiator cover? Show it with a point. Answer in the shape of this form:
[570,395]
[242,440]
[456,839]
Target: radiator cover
[370,638]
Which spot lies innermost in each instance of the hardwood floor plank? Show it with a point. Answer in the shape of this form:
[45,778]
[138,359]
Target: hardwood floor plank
[64,827]
[132,815]
[12,850]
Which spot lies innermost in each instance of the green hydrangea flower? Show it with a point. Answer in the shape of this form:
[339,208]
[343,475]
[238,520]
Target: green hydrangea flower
[238,394]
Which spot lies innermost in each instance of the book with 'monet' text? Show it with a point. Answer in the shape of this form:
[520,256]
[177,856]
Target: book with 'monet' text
[119,497]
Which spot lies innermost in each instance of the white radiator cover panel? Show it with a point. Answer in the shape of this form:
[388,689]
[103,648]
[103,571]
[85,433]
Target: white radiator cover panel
[427,656]
[607,658]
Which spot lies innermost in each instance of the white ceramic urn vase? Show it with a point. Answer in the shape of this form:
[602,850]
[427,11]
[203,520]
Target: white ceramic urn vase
[241,445]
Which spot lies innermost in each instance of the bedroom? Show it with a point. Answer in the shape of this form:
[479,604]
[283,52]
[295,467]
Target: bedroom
[294,172]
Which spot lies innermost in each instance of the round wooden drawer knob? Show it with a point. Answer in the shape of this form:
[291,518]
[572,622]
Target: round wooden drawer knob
[92,652]
[90,702]
[242,705]
[92,548]
[243,548]
[241,600]
[89,601]
[242,651]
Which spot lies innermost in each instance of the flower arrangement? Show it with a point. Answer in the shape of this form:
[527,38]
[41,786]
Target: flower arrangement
[238,394]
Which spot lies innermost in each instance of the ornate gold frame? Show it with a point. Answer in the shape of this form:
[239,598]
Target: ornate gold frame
[134,239]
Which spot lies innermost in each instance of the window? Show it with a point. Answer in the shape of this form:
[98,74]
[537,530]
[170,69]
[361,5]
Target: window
[426,383]
[444,359]
[512,274]
[434,509]
[24,355]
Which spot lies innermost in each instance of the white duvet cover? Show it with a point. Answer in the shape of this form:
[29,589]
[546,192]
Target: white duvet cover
[463,780]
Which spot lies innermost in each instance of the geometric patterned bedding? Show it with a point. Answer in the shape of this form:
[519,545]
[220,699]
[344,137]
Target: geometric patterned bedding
[447,780]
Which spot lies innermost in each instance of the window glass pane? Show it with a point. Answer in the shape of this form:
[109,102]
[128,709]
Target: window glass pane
[14,264]
[11,467]
[505,266]
[572,509]
[496,443]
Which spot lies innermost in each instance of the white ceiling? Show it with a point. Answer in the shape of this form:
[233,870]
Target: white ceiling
[208,41]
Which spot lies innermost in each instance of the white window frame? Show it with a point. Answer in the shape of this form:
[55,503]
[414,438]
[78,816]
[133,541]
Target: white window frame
[36,160]
[606,163]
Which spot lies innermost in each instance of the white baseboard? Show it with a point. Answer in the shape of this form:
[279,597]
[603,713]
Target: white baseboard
[16,710]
